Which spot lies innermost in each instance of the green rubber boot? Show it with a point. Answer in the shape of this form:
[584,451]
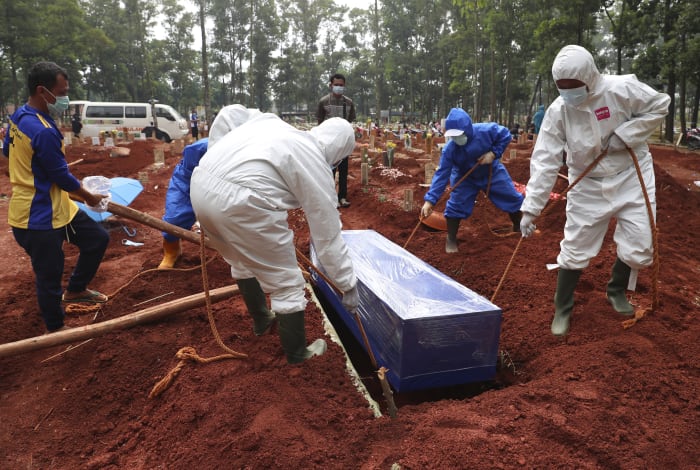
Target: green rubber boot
[515,218]
[617,287]
[564,300]
[293,338]
[256,303]
[452,228]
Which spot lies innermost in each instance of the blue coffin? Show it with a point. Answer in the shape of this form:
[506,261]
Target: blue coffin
[426,328]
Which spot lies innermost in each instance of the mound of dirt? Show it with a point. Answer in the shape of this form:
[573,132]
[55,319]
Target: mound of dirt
[602,397]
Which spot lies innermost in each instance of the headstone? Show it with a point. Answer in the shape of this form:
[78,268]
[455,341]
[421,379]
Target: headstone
[364,178]
[109,142]
[67,139]
[429,172]
[95,140]
[159,157]
[408,200]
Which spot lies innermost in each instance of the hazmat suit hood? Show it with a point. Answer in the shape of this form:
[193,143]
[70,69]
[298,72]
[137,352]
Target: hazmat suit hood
[459,119]
[575,62]
[540,107]
[335,138]
[229,118]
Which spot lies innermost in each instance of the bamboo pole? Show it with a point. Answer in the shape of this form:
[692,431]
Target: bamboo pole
[126,321]
[154,222]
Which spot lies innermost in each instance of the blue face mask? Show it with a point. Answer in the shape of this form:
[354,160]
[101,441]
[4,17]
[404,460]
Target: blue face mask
[61,104]
[338,90]
[574,96]
[460,140]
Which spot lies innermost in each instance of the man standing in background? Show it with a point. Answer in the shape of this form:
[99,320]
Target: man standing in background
[194,124]
[336,104]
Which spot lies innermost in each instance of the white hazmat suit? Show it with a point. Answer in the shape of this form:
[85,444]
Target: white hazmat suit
[229,118]
[618,110]
[244,186]
[596,114]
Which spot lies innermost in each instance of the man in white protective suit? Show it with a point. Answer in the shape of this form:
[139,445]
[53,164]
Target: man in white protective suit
[178,207]
[241,192]
[594,114]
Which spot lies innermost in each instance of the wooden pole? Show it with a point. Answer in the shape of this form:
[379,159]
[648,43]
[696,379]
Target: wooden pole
[154,222]
[126,321]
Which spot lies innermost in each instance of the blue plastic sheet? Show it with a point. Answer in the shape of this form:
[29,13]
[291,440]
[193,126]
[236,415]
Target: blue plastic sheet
[425,327]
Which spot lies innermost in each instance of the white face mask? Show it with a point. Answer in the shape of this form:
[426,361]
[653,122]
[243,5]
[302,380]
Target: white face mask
[460,139]
[338,90]
[574,96]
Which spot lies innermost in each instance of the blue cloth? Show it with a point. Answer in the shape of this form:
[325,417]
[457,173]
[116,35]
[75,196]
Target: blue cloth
[456,161]
[178,206]
[537,118]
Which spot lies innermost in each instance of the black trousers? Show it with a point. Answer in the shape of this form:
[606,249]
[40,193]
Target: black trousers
[342,178]
[45,249]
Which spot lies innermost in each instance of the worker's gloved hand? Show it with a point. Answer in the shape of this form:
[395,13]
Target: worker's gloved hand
[426,210]
[351,300]
[487,158]
[615,144]
[527,227]
[99,203]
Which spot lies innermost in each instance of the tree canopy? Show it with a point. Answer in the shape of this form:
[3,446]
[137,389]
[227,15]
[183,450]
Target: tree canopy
[414,59]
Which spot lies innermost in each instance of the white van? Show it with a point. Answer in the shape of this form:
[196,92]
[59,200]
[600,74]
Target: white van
[136,117]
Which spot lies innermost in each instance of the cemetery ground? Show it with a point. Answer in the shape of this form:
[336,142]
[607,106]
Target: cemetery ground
[602,397]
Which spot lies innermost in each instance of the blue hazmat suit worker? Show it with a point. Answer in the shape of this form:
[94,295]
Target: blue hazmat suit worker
[178,207]
[472,145]
[596,114]
[241,192]
[537,118]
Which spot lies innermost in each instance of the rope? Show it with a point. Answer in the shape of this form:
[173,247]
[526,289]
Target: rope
[546,210]
[640,313]
[188,352]
[505,273]
[486,194]
[79,309]
[444,195]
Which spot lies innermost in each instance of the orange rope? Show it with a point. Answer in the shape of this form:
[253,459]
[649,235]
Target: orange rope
[640,313]
[444,195]
[189,353]
[79,309]
[547,209]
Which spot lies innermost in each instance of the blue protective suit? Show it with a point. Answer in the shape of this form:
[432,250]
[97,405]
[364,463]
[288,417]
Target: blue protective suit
[178,206]
[537,118]
[457,160]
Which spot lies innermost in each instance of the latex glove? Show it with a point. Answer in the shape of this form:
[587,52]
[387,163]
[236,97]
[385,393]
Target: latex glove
[487,158]
[426,210]
[527,227]
[615,144]
[351,300]
[99,204]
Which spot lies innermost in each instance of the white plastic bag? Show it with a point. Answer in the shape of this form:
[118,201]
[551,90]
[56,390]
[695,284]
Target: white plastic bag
[98,185]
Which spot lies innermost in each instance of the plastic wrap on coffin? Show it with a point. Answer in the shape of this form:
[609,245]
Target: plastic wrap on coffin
[426,328]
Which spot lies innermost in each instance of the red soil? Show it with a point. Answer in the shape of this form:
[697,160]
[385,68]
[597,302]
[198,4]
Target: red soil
[603,397]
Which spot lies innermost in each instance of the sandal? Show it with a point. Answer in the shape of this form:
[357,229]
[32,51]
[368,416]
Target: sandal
[91,296]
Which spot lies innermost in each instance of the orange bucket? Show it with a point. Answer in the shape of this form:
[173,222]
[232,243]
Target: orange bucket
[436,220]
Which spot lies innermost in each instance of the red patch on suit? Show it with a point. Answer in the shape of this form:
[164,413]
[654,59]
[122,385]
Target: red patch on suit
[602,113]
